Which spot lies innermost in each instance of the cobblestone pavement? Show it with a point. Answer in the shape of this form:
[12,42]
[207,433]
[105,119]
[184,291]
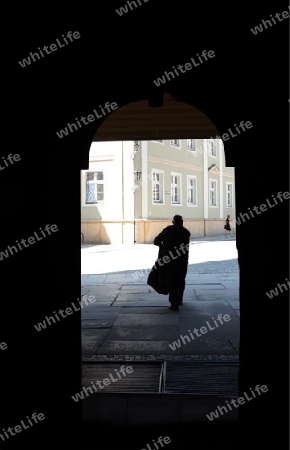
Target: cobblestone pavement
[130,322]
[229,266]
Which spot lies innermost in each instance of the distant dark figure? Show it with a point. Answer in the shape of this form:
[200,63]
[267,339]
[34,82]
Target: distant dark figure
[173,242]
[227,227]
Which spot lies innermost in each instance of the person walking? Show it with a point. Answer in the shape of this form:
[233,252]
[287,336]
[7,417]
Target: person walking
[173,242]
[227,227]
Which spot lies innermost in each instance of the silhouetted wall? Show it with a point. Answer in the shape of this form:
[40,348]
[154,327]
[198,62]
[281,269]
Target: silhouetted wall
[118,63]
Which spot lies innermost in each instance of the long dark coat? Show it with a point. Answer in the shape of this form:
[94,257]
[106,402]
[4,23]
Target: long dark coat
[173,243]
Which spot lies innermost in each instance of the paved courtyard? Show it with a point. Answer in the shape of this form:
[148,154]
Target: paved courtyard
[189,355]
[129,319]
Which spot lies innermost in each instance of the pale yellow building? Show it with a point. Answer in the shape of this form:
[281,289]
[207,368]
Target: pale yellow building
[132,189]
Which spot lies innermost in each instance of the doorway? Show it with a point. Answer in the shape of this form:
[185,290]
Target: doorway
[128,325]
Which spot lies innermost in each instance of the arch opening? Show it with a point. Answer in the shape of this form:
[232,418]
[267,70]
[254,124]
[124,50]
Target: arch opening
[168,166]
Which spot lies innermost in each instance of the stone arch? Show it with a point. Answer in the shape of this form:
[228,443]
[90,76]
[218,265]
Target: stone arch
[166,119]
[157,117]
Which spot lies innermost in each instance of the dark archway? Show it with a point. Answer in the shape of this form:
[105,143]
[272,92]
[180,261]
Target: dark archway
[139,120]
[42,370]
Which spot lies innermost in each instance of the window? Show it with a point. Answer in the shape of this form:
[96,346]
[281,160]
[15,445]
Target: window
[229,194]
[175,188]
[94,187]
[175,142]
[157,187]
[191,191]
[191,145]
[213,193]
[211,147]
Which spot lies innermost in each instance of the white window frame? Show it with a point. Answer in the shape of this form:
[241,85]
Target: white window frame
[212,148]
[190,149]
[99,203]
[159,172]
[178,175]
[210,189]
[231,194]
[175,145]
[191,177]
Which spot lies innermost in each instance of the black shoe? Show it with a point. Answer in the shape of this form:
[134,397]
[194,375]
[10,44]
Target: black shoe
[173,308]
[181,302]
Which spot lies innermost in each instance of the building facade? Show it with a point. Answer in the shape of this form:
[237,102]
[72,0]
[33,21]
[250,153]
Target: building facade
[132,189]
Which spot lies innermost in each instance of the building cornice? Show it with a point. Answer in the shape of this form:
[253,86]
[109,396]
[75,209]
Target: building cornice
[174,164]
